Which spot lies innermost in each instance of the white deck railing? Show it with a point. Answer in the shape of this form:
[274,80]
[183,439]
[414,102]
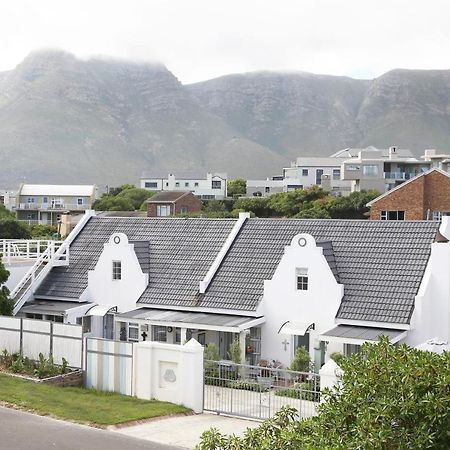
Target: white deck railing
[20,249]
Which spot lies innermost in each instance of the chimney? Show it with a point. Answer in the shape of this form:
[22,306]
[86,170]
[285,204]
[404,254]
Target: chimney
[392,152]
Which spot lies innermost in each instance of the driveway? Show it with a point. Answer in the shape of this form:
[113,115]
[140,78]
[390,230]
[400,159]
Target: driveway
[24,431]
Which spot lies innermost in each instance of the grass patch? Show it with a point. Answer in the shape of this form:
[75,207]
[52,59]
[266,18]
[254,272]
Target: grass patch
[81,405]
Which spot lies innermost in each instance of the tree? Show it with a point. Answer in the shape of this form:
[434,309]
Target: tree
[391,397]
[13,229]
[6,303]
[5,213]
[123,198]
[236,187]
[301,361]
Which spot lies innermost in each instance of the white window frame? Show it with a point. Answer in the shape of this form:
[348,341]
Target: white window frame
[387,215]
[117,270]
[163,210]
[301,279]
[216,184]
[80,201]
[370,170]
[134,327]
[305,172]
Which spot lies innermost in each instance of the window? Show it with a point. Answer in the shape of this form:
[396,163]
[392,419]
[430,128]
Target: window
[79,201]
[216,184]
[151,184]
[163,210]
[159,333]
[437,215]
[302,279]
[208,197]
[177,184]
[184,210]
[201,338]
[305,172]
[349,349]
[31,199]
[352,168]
[392,215]
[319,173]
[186,184]
[370,170]
[195,184]
[87,324]
[336,174]
[267,188]
[117,270]
[291,187]
[167,184]
[45,200]
[133,332]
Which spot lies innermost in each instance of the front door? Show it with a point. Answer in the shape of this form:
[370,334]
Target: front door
[108,326]
[301,341]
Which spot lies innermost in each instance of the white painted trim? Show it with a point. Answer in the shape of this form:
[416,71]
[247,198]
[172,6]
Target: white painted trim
[203,286]
[365,323]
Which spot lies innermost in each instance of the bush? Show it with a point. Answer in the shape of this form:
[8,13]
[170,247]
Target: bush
[234,352]
[13,229]
[391,397]
[301,361]
[337,357]
[308,390]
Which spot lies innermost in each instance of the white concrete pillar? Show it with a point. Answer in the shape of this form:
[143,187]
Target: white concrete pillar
[330,376]
[183,336]
[242,335]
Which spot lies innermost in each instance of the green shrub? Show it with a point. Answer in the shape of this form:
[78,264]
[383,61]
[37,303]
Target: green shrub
[301,361]
[337,357]
[307,390]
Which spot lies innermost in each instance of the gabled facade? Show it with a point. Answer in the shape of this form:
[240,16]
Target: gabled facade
[44,204]
[328,285]
[173,203]
[424,197]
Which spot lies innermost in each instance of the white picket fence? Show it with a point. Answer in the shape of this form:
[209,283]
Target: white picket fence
[31,337]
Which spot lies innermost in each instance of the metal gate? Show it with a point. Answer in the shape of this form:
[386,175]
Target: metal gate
[258,392]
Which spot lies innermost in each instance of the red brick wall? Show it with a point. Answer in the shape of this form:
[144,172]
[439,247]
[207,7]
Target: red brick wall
[190,201]
[430,192]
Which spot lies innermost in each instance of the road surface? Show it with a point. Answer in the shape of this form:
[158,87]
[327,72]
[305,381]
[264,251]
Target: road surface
[24,431]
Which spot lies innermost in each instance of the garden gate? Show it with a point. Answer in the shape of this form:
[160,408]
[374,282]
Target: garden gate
[258,392]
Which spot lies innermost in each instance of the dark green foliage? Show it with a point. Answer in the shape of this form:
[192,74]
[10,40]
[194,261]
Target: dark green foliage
[13,229]
[43,232]
[306,390]
[5,213]
[123,198]
[237,187]
[337,357]
[258,206]
[301,361]
[6,303]
[391,397]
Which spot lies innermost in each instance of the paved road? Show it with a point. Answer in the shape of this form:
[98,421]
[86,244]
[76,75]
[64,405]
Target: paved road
[23,431]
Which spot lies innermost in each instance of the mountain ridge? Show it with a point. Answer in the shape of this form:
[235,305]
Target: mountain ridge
[105,121]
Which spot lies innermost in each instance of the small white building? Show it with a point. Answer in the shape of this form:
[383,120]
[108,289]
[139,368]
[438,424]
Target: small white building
[8,199]
[213,187]
[276,285]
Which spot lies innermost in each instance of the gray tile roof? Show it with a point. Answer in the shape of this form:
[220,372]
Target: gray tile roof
[167,196]
[380,263]
[180,254]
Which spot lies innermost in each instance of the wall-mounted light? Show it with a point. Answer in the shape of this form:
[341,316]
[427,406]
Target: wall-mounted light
[169,329]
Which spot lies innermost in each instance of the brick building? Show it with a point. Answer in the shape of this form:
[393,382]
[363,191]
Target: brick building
[424,197]
[172,203]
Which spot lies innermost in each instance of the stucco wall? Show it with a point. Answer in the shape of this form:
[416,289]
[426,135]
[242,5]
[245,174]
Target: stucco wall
[283,302]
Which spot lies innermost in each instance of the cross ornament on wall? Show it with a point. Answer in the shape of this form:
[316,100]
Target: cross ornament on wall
[285,343]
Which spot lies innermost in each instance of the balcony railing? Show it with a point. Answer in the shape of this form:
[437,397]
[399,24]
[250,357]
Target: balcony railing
[400,175]
[53,206]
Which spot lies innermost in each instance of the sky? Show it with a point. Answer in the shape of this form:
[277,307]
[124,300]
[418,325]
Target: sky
[203,39]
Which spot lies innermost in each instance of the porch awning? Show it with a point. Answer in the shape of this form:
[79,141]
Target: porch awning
[194,320]
[100,310]
[54,308]
[352,334]
[295,328]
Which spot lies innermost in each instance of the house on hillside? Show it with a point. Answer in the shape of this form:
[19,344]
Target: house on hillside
[43,204]
[424,197]
[276,284]
[169,203]
[211,187]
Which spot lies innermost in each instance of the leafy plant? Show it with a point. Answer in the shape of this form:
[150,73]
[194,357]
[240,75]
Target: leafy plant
[301,361]
[234,351]
[337,357]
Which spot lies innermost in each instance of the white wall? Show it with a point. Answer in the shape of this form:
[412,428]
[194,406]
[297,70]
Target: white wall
[431,317]
[167,372]
[124,293]
[282,301]
[16,272]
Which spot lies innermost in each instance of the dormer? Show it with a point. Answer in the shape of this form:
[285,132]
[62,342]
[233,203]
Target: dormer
[120,275]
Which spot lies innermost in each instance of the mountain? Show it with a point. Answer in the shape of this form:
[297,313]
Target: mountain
[67,120]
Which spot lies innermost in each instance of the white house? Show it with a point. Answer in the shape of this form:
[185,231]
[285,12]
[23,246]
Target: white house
[214,186]
[276,284]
